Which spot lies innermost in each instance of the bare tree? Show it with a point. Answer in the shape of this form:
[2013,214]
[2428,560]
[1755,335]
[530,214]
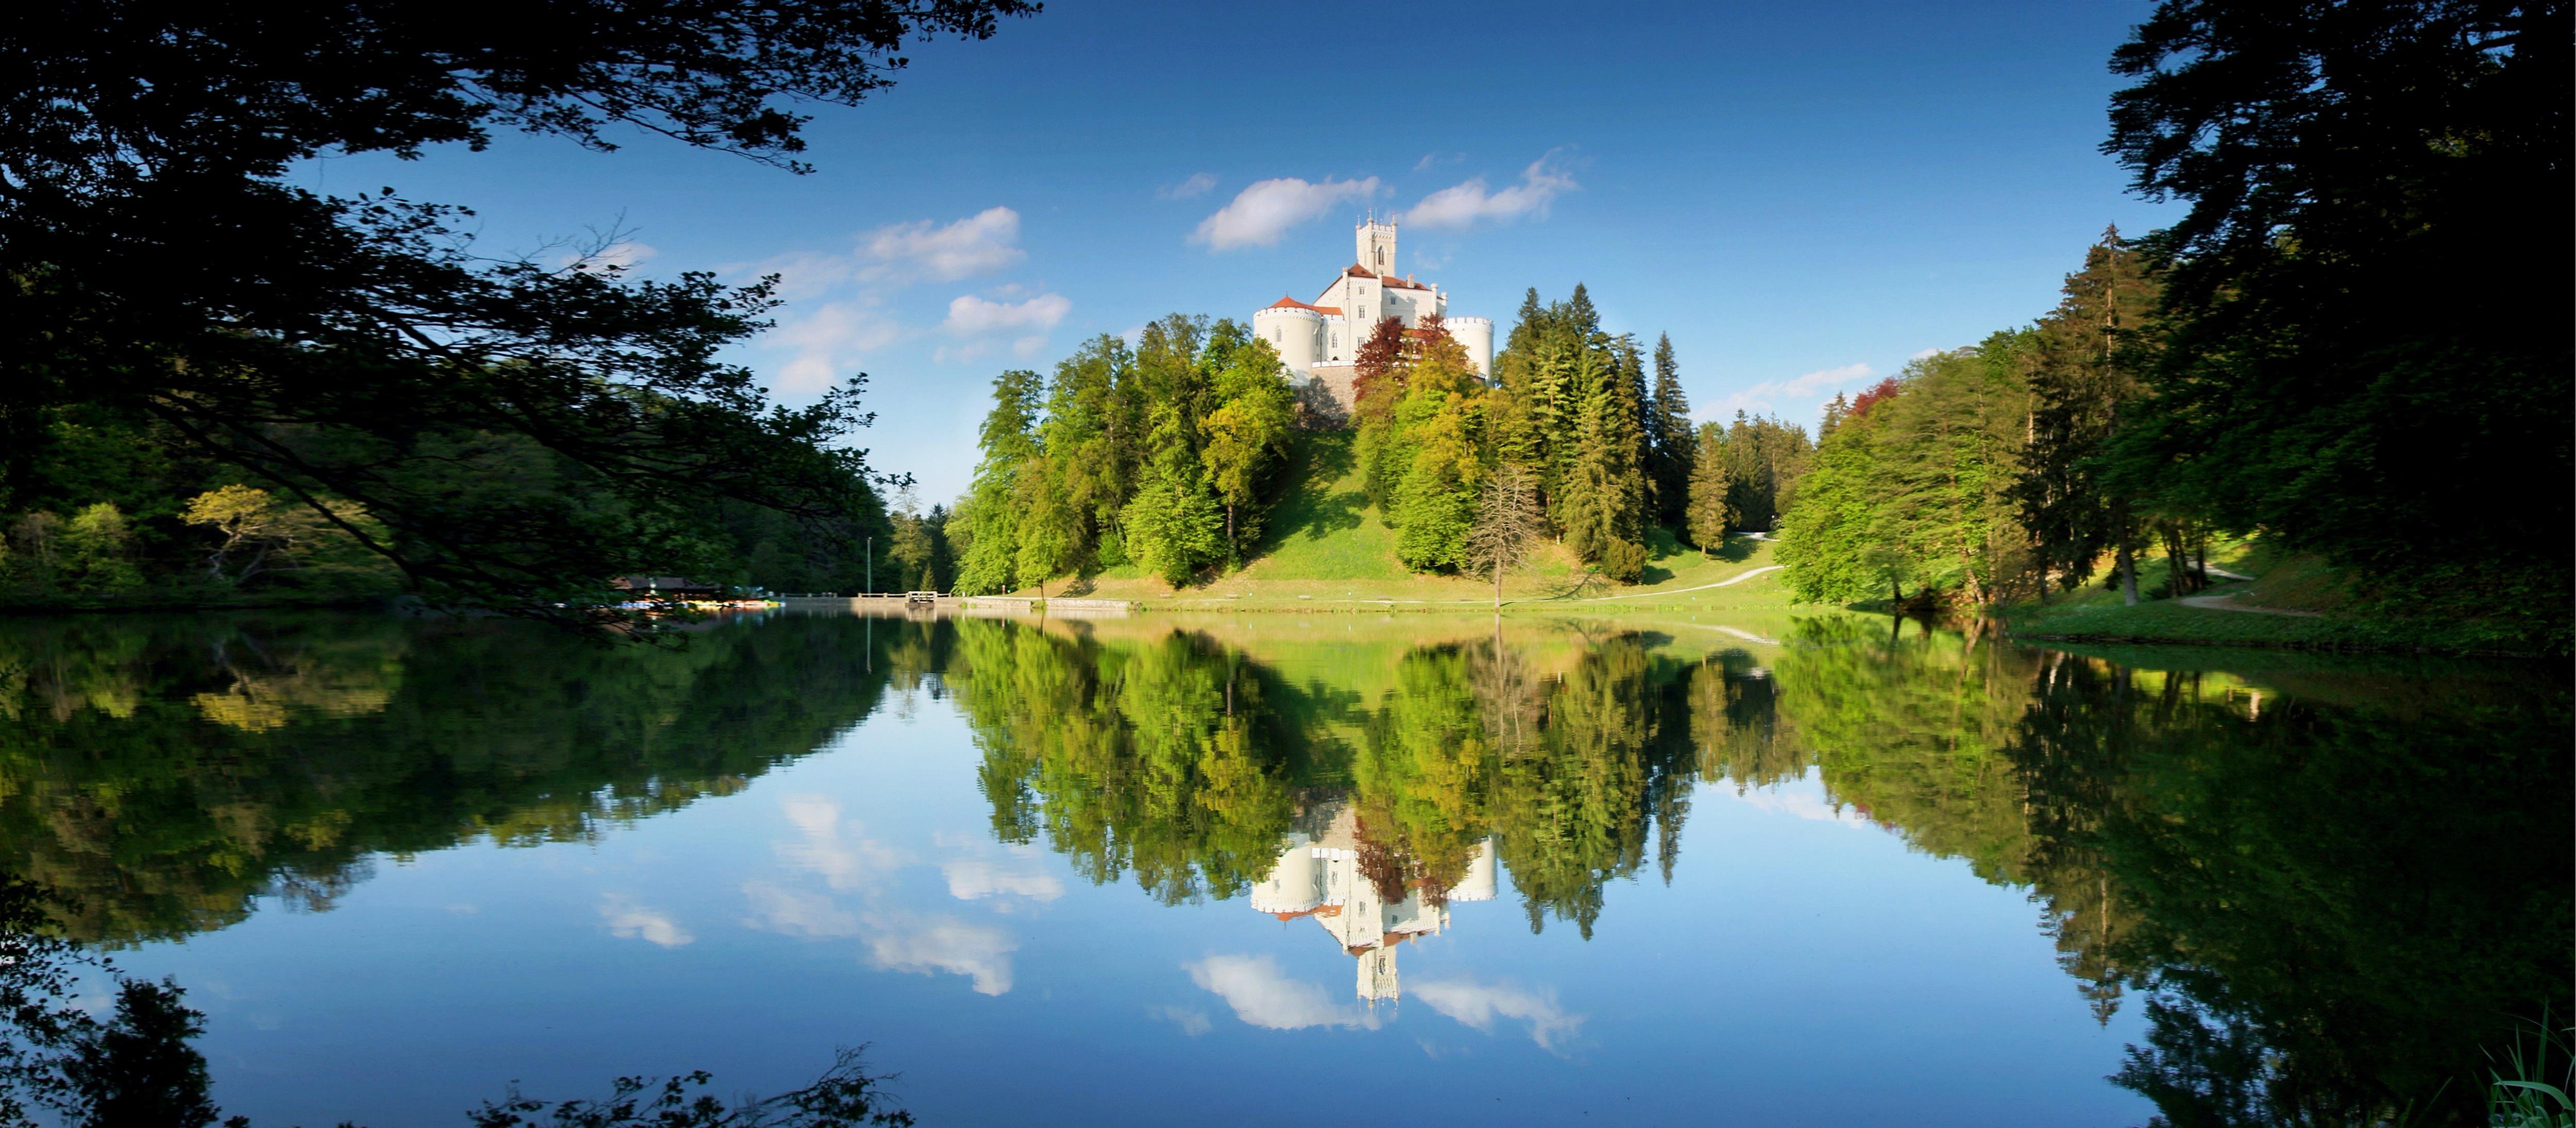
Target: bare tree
[1508,521]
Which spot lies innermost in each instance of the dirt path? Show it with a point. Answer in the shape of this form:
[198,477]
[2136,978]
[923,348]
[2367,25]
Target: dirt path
[1730,581]
[2228,603]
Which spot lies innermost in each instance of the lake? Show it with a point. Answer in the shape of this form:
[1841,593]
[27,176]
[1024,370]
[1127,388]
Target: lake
[1270,869]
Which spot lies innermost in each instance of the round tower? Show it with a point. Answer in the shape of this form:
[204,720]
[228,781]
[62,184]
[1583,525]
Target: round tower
[1297,333]
[1476,335]
[1292,886]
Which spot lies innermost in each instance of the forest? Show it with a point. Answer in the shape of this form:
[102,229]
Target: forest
[1167,455]
[2280,362]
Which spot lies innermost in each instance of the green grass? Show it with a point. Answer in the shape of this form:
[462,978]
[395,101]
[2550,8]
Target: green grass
[2282,581]
[1324,548]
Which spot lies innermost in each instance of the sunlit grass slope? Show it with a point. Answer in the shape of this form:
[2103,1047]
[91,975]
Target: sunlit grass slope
[1325,548]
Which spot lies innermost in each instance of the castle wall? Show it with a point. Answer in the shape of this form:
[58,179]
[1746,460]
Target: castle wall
[1341,381]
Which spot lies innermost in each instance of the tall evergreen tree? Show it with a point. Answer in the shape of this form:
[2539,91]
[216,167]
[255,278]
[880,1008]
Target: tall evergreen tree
[2084,373]
[1673,441]
[1706,515]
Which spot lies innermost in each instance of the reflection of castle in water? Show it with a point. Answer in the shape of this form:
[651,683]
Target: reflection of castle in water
[1319,874]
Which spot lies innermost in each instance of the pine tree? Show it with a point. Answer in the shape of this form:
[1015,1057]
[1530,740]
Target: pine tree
[1674,441]
[2084,374]
[1707,516]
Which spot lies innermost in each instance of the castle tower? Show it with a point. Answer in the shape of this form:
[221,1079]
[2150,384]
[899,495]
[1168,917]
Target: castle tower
[1377,245]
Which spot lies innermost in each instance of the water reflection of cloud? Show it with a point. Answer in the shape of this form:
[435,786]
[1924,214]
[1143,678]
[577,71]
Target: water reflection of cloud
[630,920]
[1479,1004]
[842,862]
[972,879]
[796,913]
[1262,995]
[944,944]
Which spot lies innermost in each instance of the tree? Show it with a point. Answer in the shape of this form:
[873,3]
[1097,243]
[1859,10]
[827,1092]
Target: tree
[1765,458]
[1247,435]
[353,348]
[98,545]
[2335,157]
[2089,351]
[1948,453]
[1046,523]
[1706,515]
[989,514]
[1508,520]
[910,549]
[1830,550]
[258,532]
[1672,440]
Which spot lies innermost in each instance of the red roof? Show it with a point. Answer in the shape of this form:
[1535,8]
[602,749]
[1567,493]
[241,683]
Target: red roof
[1286,302]
[1357,271]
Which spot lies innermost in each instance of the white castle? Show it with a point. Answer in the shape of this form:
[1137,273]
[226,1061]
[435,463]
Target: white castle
[1319,339]
[1318,876]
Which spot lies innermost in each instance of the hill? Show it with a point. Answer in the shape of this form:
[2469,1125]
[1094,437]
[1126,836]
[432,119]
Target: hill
[1325,548]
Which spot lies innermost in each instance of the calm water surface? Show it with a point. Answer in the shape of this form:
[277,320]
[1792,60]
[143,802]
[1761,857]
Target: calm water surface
[1266,869]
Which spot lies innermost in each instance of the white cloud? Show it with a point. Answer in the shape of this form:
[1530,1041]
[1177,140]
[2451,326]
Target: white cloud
[627,919]
[1436,157]
[1924,354]
[1797,395]
[1462,205]
[1197,185]
[843,863]
[1191,1020]
[829,343]
[970,316]
[1260,214]
[985,241]
[1479,1004]
[1263,996]
[796,913]
[972,879]
[950,945]
[805,274]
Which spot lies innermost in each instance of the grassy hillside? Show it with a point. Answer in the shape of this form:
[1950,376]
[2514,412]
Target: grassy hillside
[1326,548]
[2290,601]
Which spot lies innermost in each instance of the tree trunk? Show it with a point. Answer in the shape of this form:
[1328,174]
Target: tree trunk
[2128,565]
[1498,583]
[1229,525]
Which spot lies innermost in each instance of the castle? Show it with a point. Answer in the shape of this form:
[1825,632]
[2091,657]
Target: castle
[1320,339]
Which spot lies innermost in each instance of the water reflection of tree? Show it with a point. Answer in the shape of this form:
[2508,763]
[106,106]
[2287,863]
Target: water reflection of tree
[158,775]
[2336,912]
[1165,759]
[1139,757]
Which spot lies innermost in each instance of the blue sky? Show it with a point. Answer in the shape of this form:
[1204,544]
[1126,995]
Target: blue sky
[1802,195]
